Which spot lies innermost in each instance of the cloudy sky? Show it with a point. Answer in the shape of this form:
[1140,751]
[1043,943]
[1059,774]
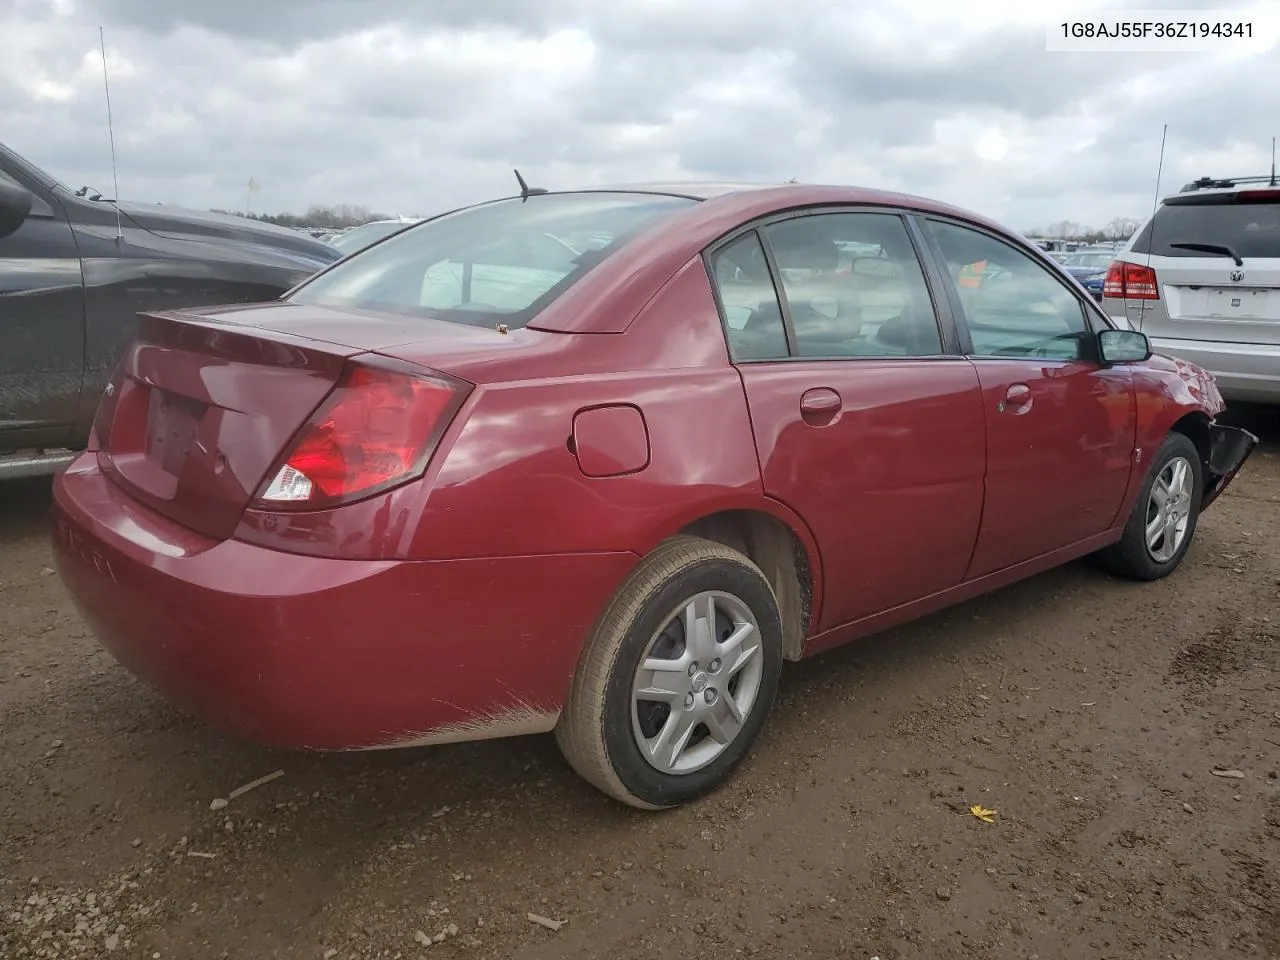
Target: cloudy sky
[410,106]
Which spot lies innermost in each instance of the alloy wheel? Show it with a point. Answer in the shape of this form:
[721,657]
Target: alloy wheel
[1169,510]
[697,683]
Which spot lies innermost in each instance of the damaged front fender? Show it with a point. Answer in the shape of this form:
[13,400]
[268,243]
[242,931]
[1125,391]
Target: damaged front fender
[1229,448]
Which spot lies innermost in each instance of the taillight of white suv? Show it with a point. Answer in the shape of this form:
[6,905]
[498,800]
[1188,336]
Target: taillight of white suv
[1131,281]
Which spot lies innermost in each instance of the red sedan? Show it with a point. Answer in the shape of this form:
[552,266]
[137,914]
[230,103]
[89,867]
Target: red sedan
[599,461]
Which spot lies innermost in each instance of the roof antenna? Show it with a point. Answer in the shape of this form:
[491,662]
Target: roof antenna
[527,191]
[1273,163]
[1155,205]
[115,176]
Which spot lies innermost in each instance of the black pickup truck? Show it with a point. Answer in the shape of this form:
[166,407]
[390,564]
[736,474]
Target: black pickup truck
[76,270]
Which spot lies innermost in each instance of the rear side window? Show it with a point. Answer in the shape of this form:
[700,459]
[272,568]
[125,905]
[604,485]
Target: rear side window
[1251,229]
[748,300]
[501,262]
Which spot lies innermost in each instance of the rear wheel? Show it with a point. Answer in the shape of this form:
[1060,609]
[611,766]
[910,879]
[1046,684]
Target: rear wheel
[678,677]
[1164,517]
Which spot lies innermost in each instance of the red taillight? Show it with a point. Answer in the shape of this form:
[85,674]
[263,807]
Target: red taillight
[1113,285]
[1140,283]
[376,430]
[1131,281]
[1258,196]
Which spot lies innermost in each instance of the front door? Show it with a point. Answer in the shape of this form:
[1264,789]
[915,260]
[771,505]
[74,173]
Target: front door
[1060,425]
[41,325]
[865,425]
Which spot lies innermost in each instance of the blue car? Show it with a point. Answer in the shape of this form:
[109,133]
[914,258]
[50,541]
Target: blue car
[1089,267]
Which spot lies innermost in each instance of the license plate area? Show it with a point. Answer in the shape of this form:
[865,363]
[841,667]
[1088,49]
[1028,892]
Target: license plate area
[1243,303]
[172,422]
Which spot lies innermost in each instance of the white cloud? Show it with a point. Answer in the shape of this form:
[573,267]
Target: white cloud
[412,107]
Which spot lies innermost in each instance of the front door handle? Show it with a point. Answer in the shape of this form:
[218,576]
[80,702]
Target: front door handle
[1017,399]
[820,405]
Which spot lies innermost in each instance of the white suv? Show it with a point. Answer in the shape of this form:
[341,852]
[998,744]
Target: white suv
[1202,280]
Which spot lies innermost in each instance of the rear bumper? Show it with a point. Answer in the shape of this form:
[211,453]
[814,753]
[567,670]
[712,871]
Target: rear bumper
[1244,371]
[327,654]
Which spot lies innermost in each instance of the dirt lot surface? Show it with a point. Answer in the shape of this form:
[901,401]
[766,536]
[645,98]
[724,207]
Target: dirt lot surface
[1090,713]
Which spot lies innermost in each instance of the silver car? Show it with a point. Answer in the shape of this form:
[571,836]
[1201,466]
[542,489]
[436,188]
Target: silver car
[1202,279]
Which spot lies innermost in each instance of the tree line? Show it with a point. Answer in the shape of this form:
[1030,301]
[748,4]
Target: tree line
[1121,228]
[317,215]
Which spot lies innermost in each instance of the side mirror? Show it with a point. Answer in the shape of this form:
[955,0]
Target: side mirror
[15,204]
[1123,346]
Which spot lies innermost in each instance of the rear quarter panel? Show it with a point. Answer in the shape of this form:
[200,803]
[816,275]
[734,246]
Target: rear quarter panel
[505,481]
[511,484]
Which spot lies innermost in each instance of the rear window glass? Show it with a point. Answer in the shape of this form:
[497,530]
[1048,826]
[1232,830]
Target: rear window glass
[1250,229]
[365,235]
[1087,261]
[500,262]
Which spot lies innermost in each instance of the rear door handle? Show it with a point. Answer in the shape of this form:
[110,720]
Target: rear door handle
[820,405]
[1017,399]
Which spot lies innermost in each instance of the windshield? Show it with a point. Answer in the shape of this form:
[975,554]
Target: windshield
[499,262]
[1093,261]
[28,168]
[1249,229]
[360,237]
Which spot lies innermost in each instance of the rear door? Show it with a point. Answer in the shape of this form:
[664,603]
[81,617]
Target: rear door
[41,323]
[1060,426]
[867,421]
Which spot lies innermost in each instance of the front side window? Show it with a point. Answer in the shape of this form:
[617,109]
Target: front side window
[1013,306]
[500,262]
[854,286]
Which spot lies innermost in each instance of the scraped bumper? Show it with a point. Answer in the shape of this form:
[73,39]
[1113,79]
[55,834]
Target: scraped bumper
[1229,448]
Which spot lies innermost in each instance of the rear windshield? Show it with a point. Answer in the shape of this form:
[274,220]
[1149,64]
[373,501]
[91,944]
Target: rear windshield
[499,262]
[1089,261]
[364,235]
[1250,229]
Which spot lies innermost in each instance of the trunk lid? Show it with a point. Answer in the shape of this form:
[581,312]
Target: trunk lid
[1205,294]
[204,403]
[1204,301]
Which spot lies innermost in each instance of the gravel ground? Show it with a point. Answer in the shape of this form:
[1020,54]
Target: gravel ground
[1091,714]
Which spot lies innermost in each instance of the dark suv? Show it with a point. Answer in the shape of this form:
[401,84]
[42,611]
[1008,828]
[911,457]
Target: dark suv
[75,271]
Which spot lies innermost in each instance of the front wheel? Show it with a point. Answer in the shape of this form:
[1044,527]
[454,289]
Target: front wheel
[678,677]
[1164,517]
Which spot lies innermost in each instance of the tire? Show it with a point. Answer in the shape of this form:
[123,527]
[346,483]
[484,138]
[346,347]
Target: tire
[1132,556]
[604,723]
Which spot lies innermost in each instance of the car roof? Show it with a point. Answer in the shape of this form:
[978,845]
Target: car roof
[693,189]
[1220,185]
[759,199]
